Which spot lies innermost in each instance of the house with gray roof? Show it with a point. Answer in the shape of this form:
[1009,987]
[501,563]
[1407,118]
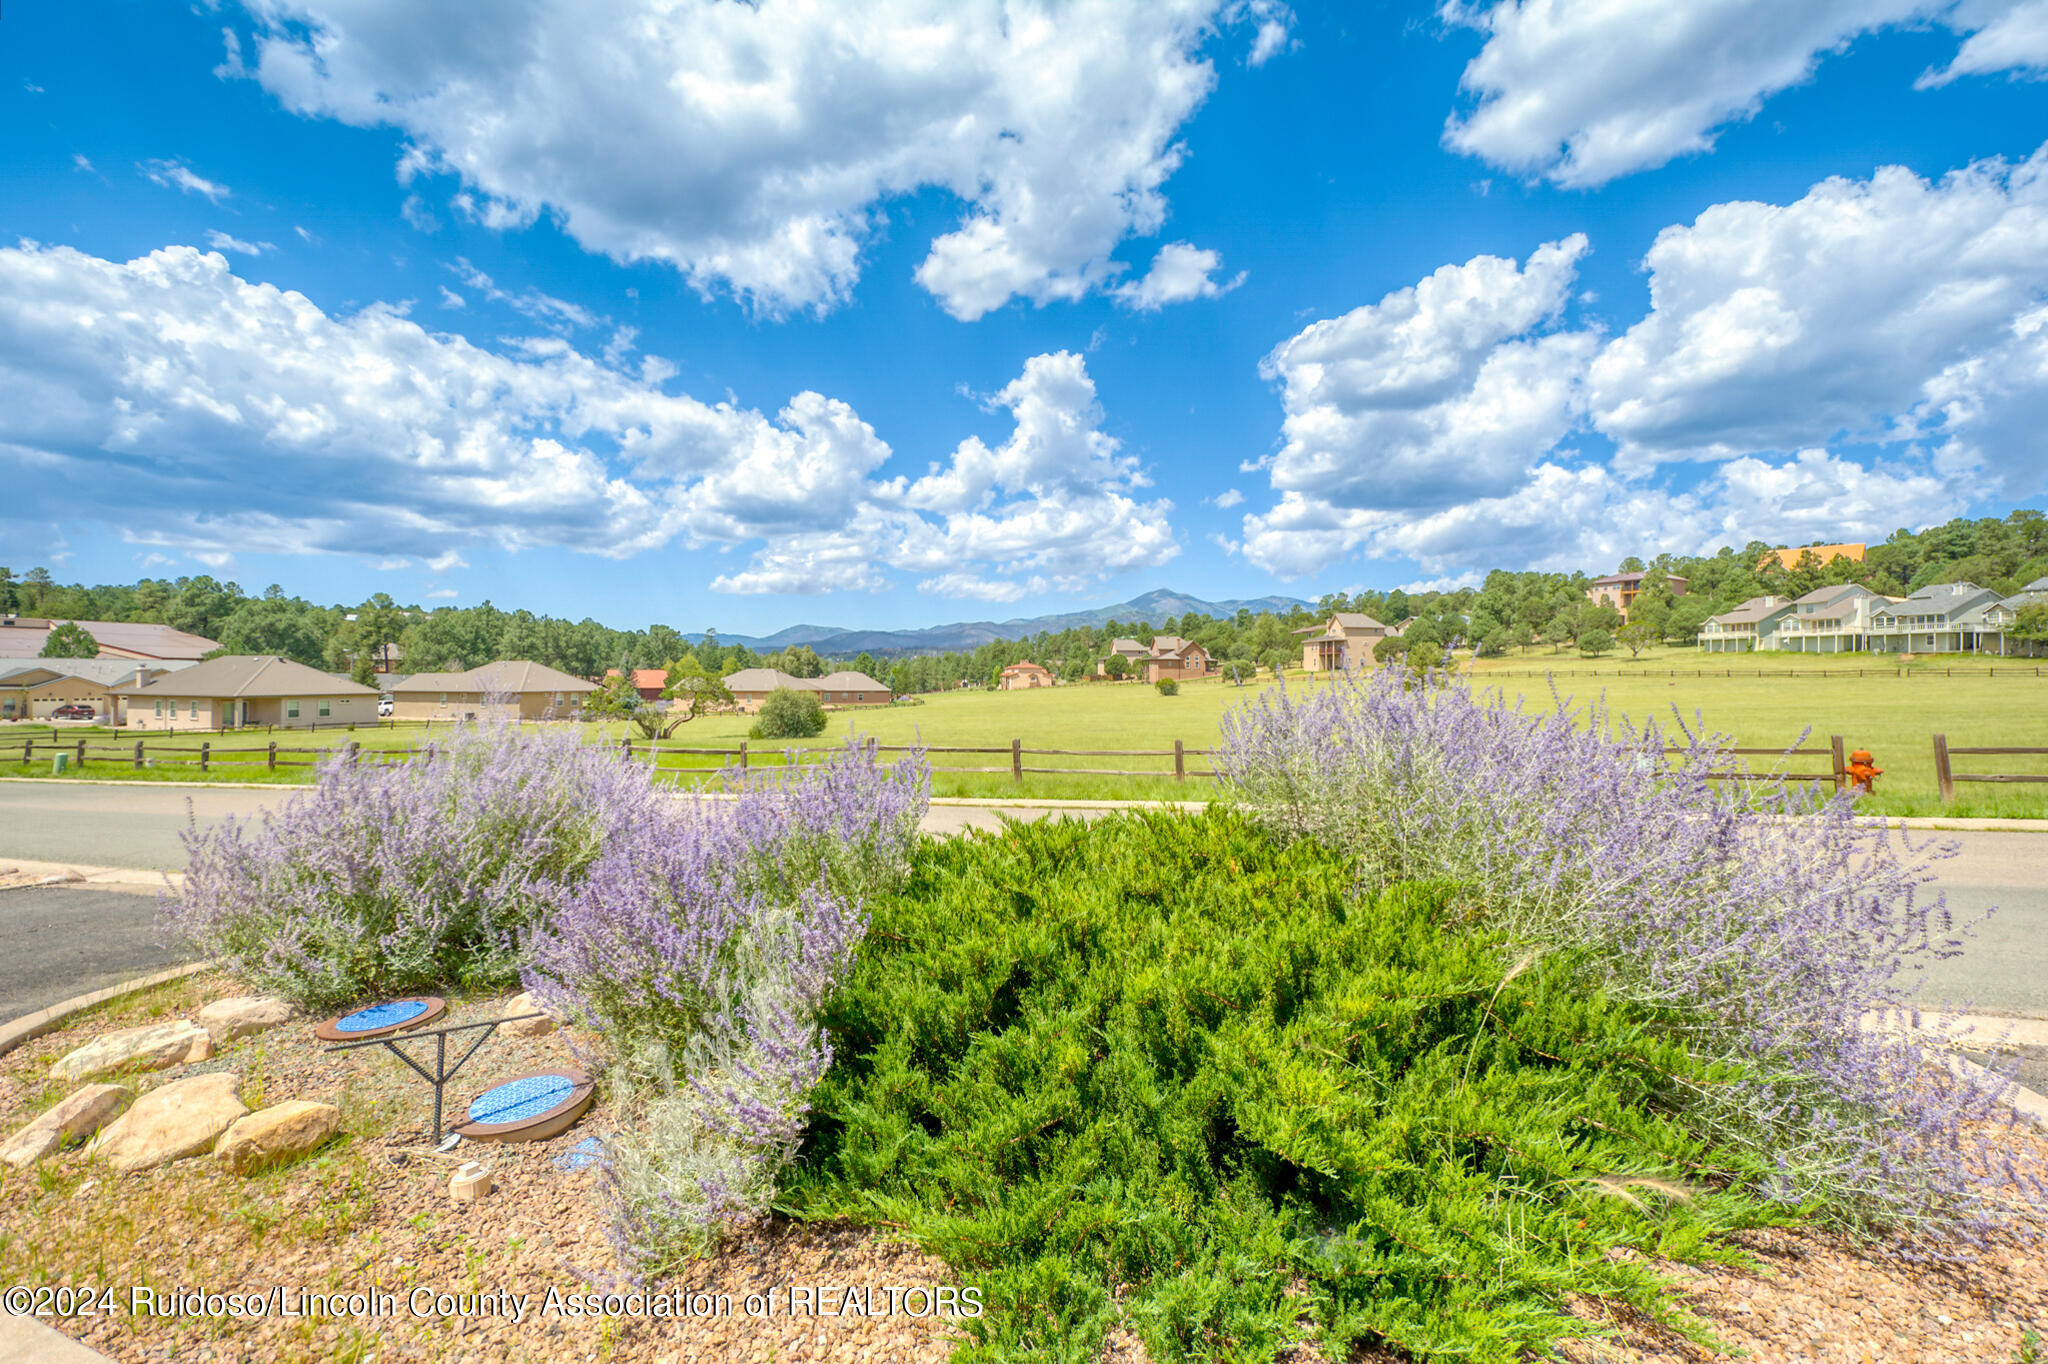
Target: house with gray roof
[1346,640]
[1996,619]
[1828,620]
[33,688]
[751,686]
[1941,618]
[1743,629]
[24,637]
[249,689]
[513,689]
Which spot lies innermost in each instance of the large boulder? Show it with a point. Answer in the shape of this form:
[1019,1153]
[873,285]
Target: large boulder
[181,1119]
[276,1133]
[146,1048]
[227,1019]
[525,1003]
[81,1114]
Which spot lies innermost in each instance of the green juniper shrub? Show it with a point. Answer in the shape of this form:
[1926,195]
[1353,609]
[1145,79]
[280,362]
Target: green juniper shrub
[1167,687]
[1158,1068]
[789,714]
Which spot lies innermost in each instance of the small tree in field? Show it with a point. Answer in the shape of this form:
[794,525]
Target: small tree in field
[789,714]
[1167,687]
[71,640]
[1118,667]
[1638,637]
[1593,643]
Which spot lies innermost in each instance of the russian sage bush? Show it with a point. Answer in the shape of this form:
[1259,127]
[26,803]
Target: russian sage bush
[1766,924]
[702,945]
[391,878]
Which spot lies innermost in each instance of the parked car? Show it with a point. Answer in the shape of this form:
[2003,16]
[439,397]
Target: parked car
[383,706]
[74,710]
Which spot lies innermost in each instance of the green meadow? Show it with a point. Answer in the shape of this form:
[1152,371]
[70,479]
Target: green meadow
[1763,702]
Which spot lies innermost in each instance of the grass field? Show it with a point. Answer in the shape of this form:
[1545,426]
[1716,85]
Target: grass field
[1894,716]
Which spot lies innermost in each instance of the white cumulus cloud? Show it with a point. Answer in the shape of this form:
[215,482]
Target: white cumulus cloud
[1180,272]
[755,147]
[1582,91]
[209,415]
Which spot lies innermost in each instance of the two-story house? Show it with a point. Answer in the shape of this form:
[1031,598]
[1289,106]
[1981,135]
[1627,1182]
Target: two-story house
[1828,620]
[1344,641]
[1741,630]
[1942,618]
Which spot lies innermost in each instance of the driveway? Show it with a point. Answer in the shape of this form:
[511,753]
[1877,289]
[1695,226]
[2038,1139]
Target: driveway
[2003,970]
[57,942]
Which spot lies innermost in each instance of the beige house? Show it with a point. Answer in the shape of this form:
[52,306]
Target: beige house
[1024,676]
[510,690]
[33,690]
[1346,640]
[223,693]
[1619,590]
[751,686]
[1175,658]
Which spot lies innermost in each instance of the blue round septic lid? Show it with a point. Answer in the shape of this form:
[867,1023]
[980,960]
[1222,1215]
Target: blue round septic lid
[517,1100]
[381,1016]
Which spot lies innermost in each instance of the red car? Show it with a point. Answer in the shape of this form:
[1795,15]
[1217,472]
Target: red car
[75,710]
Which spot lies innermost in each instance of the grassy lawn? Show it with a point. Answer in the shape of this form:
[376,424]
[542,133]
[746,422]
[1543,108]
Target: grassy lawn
[1895,717]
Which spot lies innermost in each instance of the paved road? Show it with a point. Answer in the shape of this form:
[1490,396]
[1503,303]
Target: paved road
[56,943]
[2004,970]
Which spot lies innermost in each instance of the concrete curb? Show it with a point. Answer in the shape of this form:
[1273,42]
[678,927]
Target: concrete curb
[56,1016]
[27,1341]
[1945,1031]
[85,876]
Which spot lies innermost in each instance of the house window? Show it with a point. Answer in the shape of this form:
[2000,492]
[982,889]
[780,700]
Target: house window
[323,710]
[195,710]
[159,709]
[291,710]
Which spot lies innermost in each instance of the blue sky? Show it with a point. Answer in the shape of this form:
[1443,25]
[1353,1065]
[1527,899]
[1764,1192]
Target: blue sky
[886,314]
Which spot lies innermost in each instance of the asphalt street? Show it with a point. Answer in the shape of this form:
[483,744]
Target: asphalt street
[56,943]
[2003,969]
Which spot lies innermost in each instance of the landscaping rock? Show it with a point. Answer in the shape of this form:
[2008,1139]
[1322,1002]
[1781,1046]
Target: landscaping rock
[227,1019]
[276,1133]
[181,1119]
[525,1003]
[79,1116]
[147,1048]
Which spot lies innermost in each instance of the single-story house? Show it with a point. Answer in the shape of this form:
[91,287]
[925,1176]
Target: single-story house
[24,637]
[512,689]
[648,683]
[750,687]
[1025,676]
[1176,658]
[1344,641]
[222,693]
[31,689]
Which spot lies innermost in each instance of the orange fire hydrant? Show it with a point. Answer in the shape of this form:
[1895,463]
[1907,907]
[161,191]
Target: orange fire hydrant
[1863,770]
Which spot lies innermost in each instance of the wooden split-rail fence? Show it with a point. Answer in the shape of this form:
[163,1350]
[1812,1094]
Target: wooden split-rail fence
[1798,764]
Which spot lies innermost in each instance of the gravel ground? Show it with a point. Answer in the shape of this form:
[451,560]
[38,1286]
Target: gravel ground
[372,1213]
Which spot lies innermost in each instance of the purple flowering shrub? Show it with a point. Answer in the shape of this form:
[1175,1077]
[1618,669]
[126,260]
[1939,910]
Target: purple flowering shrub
[387,879]
[702,945]
[1769,921]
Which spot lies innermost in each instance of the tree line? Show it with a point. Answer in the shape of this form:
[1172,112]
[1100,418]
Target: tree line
[1504,611]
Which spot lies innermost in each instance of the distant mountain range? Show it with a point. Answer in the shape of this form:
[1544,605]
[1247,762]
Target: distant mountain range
[1152,607]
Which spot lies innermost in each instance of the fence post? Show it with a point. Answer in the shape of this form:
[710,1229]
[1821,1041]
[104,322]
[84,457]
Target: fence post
[1942,776]
[1017,761]
[355,752]
[27,750]
[1841,768]
[138,755]
[205,753]
[743,755]
[273,755]
[626,748]
[1180,763]
[81,755]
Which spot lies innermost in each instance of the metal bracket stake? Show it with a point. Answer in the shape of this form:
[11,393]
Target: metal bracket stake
[443,1072]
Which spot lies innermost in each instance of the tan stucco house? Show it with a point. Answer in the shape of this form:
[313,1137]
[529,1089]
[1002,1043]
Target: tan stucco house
[1024,676]
[512,690]
[1175,658]
[32,689]
[1345,640]
[223,693]
[25,636]
[751,686]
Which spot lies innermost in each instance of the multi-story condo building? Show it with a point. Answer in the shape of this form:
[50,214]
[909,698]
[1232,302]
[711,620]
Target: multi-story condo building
[1737,631]
[1828,620]
[1942,618]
